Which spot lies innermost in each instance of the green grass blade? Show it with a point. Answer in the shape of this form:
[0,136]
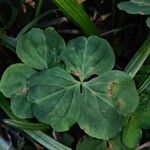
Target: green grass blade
[45,140]
[138,59]
[37,135]
[8,42]
[26,125]
[144,85]
[38,8]
[75,12]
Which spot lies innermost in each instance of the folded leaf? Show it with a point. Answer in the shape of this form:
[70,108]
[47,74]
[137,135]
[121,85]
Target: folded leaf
[116,144]
[131,133]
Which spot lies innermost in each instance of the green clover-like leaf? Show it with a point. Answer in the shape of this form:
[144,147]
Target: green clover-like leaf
[141,2]
[13,85]
[85,57]
[40,49]
[131,133]
[88,143]
[135,7]
[59,100]
[148,22]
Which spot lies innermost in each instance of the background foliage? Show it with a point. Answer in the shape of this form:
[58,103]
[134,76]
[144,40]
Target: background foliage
[127,34]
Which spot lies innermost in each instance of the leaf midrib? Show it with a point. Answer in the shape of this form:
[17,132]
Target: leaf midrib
[51,95]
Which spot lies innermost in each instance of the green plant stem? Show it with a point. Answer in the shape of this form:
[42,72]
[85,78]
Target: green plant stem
[138,59]
[33,22]
[38,8]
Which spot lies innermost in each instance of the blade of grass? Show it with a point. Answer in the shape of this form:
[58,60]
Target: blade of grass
[38,8]
[144,85]
[75,12]
[8,42]
[45,140]
[37,135]
[33,22]
[138,59]
[26,125]
[113,8]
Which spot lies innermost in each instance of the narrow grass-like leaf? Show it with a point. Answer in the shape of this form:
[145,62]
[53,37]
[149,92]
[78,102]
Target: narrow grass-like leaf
[8,42]
[38,8]
[26,125]
[76,13]
[138,59]
[46,141]
[144,85]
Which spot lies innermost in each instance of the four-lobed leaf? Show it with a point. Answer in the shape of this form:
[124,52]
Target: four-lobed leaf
[87,92]
[96,105]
